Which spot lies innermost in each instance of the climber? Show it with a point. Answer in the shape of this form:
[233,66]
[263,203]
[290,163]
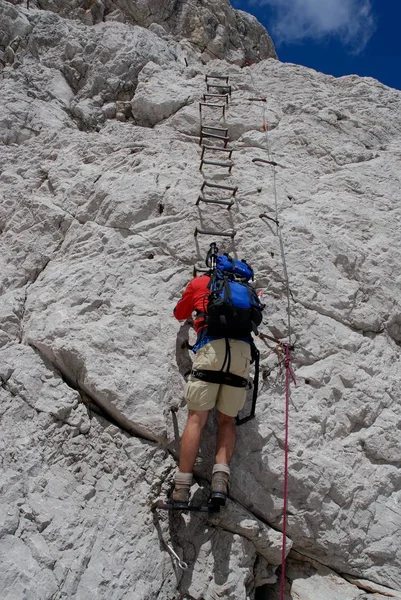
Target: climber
[219,372]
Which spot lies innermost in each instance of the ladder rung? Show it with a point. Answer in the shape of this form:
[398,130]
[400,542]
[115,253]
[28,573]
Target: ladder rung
[265,216]
[210,105]
[227,203]
[257,99]
[215,128]
[220,87]
[224,140]
[217,148]
[230,234]
[216,163]
[219,186]
[215,136]
[225,77]
[224,96]
[266,162]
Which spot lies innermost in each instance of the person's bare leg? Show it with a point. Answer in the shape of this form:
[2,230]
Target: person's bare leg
[224,452]
[191,438]
[190,443]
[225,438]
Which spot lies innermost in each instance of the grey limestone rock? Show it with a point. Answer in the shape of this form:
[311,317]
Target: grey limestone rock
[311,581]
[99,175]
[211,26]
[14,24]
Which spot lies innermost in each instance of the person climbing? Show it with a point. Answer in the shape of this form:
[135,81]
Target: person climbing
[219,374]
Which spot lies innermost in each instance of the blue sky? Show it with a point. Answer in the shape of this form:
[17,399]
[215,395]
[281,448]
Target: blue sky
[338,37]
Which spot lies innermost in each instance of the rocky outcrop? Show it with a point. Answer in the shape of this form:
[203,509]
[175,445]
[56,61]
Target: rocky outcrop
[99,174]
[213,28]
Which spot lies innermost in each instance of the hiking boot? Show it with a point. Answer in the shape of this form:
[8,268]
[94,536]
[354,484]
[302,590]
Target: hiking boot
[180,496]
[221,474]
[182,485]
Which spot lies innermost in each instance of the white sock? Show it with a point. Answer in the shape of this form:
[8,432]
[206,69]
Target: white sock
[221,468]
[183,479]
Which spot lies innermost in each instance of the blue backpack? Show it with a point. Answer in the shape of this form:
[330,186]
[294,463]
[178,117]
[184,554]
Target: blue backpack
[234,309]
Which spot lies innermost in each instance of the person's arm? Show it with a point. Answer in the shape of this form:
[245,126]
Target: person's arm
[185,306]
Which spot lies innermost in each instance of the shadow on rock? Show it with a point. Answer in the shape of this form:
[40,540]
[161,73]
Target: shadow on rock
[182,349]
[193,539]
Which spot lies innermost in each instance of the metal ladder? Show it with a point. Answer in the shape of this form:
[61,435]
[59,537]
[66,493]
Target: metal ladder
[213,139]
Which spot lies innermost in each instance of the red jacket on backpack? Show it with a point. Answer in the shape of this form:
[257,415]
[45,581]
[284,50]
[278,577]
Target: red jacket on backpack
[195,297]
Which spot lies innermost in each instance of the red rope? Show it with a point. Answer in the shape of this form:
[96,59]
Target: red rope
[288,374]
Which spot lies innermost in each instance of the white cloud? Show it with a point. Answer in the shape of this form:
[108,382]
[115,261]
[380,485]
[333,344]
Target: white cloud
[350,20]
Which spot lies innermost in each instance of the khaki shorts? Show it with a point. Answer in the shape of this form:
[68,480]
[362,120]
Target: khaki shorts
[229,400]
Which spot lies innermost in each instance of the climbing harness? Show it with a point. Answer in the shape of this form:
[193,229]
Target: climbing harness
[224,378]
[220,377]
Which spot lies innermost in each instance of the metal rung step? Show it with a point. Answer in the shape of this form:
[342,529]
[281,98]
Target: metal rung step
[224,140]
[272,163]
[214,136]
[219,186]
[217,149]
[224,77]
[211,95]
[220,87]
[265,216]
[225,165]
[257,99]
[230,234]
[210,105]
[227,203]
[223,96]
[215,128]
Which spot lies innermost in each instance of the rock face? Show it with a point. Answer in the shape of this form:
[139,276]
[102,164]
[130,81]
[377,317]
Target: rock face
[99,174]
[212,27]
